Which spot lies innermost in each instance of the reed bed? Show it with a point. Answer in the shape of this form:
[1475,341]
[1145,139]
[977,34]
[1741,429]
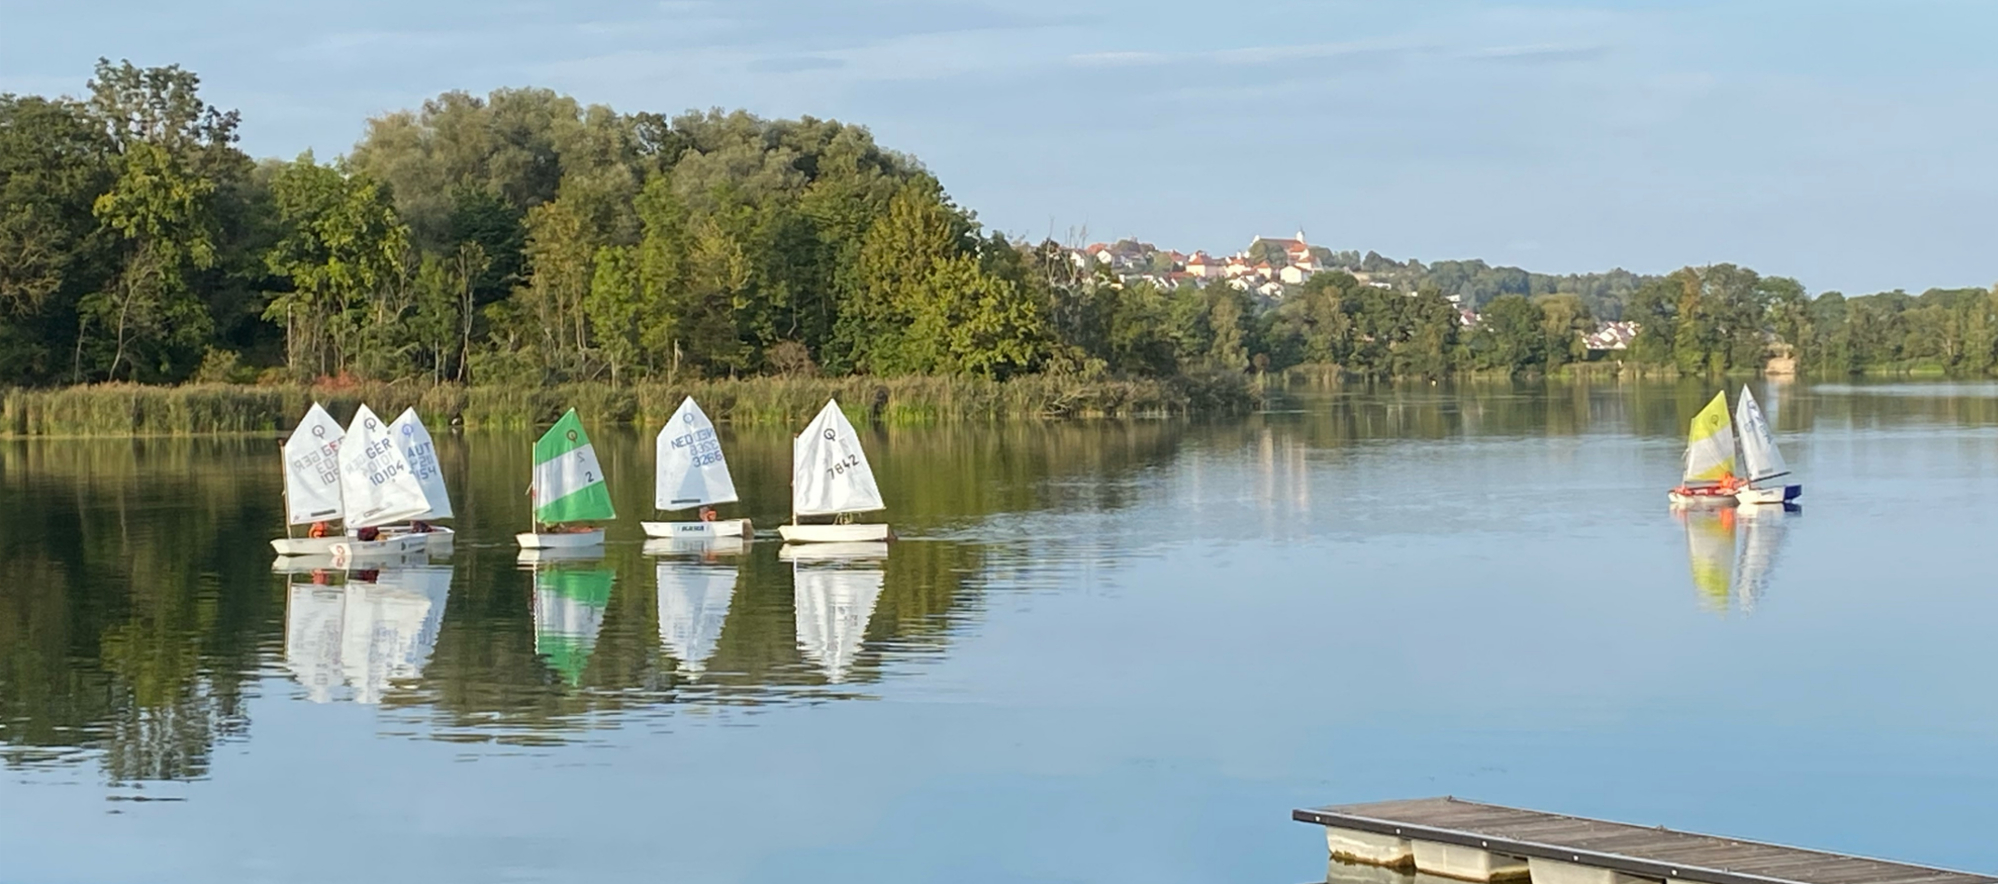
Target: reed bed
[201,409]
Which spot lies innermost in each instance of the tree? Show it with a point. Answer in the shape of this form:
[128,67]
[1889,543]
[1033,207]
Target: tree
[1510,335]
[345,252]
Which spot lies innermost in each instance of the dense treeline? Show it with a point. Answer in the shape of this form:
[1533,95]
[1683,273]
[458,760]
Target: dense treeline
[523,239]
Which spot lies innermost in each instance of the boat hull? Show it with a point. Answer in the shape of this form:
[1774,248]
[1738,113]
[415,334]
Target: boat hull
[716,528]
[867,551]
[438,540]
[575,540]
[1700,498]
[352,549]
[1782,494]
[305,546]
[854,533]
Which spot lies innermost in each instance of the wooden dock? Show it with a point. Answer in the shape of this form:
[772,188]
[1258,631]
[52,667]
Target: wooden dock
[1480,842]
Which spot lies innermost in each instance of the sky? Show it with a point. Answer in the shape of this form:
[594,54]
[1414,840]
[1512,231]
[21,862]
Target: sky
[1846,144]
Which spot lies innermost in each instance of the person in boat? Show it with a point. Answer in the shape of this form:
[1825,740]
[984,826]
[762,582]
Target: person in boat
[418,526]
[319,529]
[369,533]
[707,514]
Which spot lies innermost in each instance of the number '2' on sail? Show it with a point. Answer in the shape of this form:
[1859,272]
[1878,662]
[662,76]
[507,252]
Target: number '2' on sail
[568,481]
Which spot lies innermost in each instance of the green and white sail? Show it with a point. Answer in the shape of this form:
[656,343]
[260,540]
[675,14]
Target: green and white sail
[568,481]
[569,607]
[414,439]
[1710,443]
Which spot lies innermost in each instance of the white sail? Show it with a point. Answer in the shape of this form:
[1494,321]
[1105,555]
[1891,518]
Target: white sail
[833,605]
[312,469]
[690,468]
[312,623]
[693,605]
[374,476]
[1758,445]
[413,438]
[381,636]
[829,471]
[1762,538]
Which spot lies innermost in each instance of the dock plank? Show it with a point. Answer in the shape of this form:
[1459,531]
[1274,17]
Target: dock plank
[1645,851]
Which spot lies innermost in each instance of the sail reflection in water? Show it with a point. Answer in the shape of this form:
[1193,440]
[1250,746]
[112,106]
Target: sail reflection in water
[376,628]
[836,586]
[1733,551]
[693,604]
[569,605]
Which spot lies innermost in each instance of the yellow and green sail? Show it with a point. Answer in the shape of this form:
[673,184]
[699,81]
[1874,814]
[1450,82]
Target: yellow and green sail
[1710,443]
[568,481]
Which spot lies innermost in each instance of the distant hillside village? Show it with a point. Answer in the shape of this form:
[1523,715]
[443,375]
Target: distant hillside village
[1272,266]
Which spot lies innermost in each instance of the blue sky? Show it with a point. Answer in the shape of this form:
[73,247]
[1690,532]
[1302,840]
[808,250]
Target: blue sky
[1846,144]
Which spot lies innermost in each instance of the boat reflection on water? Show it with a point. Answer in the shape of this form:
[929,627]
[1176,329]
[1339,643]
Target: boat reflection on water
[695,588]
[836,586]
[350,634]
[569,605]
[1733,551]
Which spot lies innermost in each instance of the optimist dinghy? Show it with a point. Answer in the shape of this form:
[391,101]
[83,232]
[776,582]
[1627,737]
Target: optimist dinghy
[568,489]
[830,478]
[380,489]
[1760,454]
[691,472]
[1709,478]
[312,483]
[417,448]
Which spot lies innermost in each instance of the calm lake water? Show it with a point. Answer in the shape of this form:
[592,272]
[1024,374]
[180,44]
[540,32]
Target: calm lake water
[1104,651]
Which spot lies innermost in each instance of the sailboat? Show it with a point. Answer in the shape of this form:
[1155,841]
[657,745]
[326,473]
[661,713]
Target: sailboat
[834,598]
[1709,478]
[830,477]
[375,628]
[379,489]
[311,483]
[1760,454]
[1728,573]
[568,488]
[691,472]
[413,438]
[694,599]
[569,605]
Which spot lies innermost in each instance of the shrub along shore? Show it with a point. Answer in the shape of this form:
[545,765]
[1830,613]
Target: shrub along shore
[201,409]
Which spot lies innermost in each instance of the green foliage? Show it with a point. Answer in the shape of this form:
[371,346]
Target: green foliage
[522,239]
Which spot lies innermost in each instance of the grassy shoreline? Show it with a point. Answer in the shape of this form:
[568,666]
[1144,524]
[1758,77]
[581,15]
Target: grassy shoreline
[209,409]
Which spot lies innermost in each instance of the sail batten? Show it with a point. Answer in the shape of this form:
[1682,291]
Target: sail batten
[691,469]
[375,478]
[417,448]
[312,469]
[568,480]
[829,470]
[1710,443]
[1759,453]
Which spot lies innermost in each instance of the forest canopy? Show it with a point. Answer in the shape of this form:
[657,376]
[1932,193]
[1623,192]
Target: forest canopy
[522,237]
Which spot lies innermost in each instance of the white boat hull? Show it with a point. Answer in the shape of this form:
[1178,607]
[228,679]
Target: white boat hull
[866,551]
[353,549]
[1777,495]
[716,528]
[570,540]
[438,540]
[854,533]
[305,546]
[695,546]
